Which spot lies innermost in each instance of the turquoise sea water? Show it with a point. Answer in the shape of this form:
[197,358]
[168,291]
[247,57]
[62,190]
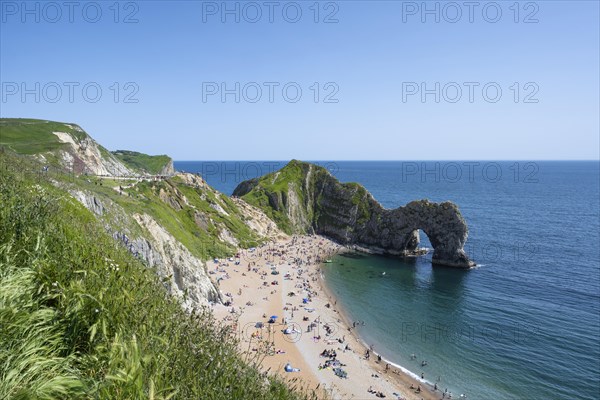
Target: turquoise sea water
[523,325]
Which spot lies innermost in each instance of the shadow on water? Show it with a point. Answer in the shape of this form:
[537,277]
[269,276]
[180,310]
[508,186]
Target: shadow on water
[448,287]
[444,278]
[353,255]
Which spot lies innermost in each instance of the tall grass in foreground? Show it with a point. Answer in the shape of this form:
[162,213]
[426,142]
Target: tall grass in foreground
[81,318]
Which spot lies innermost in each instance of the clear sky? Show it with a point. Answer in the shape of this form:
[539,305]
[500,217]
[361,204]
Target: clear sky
[391,82]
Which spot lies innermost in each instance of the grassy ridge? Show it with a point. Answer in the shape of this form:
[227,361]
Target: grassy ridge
[142,162]
[309,183]
[271,191]
[81,318]
[33,136]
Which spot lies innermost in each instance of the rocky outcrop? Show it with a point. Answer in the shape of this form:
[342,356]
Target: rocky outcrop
[90,202]
[258,221]
[305,198]
[68,147]
[84,156]
[186,275]
[183,274]
[168,169]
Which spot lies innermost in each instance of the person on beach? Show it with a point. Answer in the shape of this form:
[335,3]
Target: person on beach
[288,368]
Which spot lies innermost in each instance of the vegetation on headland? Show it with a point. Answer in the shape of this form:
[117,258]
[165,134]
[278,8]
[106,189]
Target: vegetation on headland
[196,215]
[294,198]
[34,136]
[152,165]
[271,193]
[80,317]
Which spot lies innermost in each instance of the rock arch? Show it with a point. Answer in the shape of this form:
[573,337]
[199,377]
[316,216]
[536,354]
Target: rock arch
[441,222]
[395,232]
[348,213]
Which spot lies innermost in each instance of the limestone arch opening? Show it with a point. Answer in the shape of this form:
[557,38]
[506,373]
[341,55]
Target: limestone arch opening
[420,242]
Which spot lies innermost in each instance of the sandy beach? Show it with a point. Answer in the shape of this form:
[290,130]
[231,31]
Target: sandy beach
[309,334]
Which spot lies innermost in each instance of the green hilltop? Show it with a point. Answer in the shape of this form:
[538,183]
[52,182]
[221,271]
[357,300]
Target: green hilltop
[143,162]
[197,216]
[293,197]
[37,137]
[33,136]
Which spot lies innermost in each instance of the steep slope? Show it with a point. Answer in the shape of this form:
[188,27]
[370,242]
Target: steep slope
[68,147]
[81,318]
[303,197]
[175,225]
[172,223]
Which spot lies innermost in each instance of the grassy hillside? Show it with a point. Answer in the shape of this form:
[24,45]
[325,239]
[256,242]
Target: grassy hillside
[142,162]
[80,318]
[33,136]
[270,193]
[195,216]
[308,209]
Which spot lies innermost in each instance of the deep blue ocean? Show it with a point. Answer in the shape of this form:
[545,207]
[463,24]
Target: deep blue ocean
[525,324]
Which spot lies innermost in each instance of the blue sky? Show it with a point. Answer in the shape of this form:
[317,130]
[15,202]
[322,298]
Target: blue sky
[370,68]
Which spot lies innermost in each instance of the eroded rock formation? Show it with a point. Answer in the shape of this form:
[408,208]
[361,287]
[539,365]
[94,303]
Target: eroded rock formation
[305,198]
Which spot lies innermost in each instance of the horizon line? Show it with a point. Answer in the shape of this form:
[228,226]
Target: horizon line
[398,160]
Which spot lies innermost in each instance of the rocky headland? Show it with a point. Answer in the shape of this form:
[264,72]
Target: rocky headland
[305,198]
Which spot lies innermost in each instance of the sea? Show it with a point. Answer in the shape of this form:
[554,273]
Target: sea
[525,323]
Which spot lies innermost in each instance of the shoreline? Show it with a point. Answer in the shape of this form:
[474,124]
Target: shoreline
[309,323]
[401,374]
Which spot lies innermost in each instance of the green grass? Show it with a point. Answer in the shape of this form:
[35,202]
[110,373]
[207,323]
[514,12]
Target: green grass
[144,198]
[31,136]
[143,162]
[350,197]
[80,318]
[278,185]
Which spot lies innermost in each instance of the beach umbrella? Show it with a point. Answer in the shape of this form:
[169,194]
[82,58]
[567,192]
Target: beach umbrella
[274,317]
[259,325]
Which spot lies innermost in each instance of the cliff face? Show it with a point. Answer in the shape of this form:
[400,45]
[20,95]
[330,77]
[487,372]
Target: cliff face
[84,155]
[304,198]
[175,225]
[68,147]
[184,275]
[168,169]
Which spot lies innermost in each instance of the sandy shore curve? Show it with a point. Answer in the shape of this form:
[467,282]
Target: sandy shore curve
[283,279]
